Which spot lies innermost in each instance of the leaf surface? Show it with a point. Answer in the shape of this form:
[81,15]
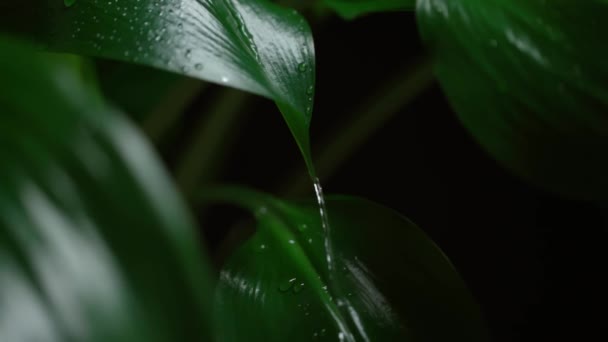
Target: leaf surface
[528,78]
[254,46]
[95,244]
[350,9]
[391,283]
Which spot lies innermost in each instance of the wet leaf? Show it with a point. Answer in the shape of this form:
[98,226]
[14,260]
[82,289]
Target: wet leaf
[528,78]
[391,283]
[94,243]
[255,46]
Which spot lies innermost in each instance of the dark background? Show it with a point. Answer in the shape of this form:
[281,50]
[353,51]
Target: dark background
[535,262]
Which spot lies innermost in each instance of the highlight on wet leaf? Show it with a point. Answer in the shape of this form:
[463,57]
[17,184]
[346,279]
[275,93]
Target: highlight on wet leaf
[528,80]
[391,283]
[95,245]
[256,46]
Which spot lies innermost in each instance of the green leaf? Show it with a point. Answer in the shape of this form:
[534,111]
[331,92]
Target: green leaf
[391,283]
[528,78]
[350,9]
[255,46]
[94,243]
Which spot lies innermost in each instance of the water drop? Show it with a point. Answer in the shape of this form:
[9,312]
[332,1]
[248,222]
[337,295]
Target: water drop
[302,228]
[302,67]
[298,287]
[323,332]
[287,285]
[69,3]
[198,66]
[188,53]
[292,242]
[310,90]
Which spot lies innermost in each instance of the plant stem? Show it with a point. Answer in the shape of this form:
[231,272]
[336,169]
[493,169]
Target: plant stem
[202,158]
[169,110]
[372,115]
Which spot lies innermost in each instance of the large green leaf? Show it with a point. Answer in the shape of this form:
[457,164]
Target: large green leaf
[529,79]
[94,243]
[350,9]
[253,45]
[391,282]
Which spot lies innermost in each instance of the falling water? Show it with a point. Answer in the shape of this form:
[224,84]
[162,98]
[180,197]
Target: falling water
[345,334]
[327,243]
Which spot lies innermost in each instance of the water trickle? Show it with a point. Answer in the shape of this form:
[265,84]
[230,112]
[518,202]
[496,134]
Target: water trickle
[334,288]
[326,228]
[69,3]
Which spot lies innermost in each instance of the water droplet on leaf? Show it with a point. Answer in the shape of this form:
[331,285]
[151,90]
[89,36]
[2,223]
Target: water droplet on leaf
[287,285]
[298,287]
[302,67]
[69,3]
[310,90]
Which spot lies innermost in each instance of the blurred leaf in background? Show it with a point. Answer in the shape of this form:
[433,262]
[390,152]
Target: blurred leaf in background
[95,244]
[350,9]
[528,80]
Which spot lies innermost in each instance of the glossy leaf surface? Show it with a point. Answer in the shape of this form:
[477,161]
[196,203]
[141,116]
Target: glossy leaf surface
[95,246]
[255,46]
[529,79]
[391,282]
[350,9]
